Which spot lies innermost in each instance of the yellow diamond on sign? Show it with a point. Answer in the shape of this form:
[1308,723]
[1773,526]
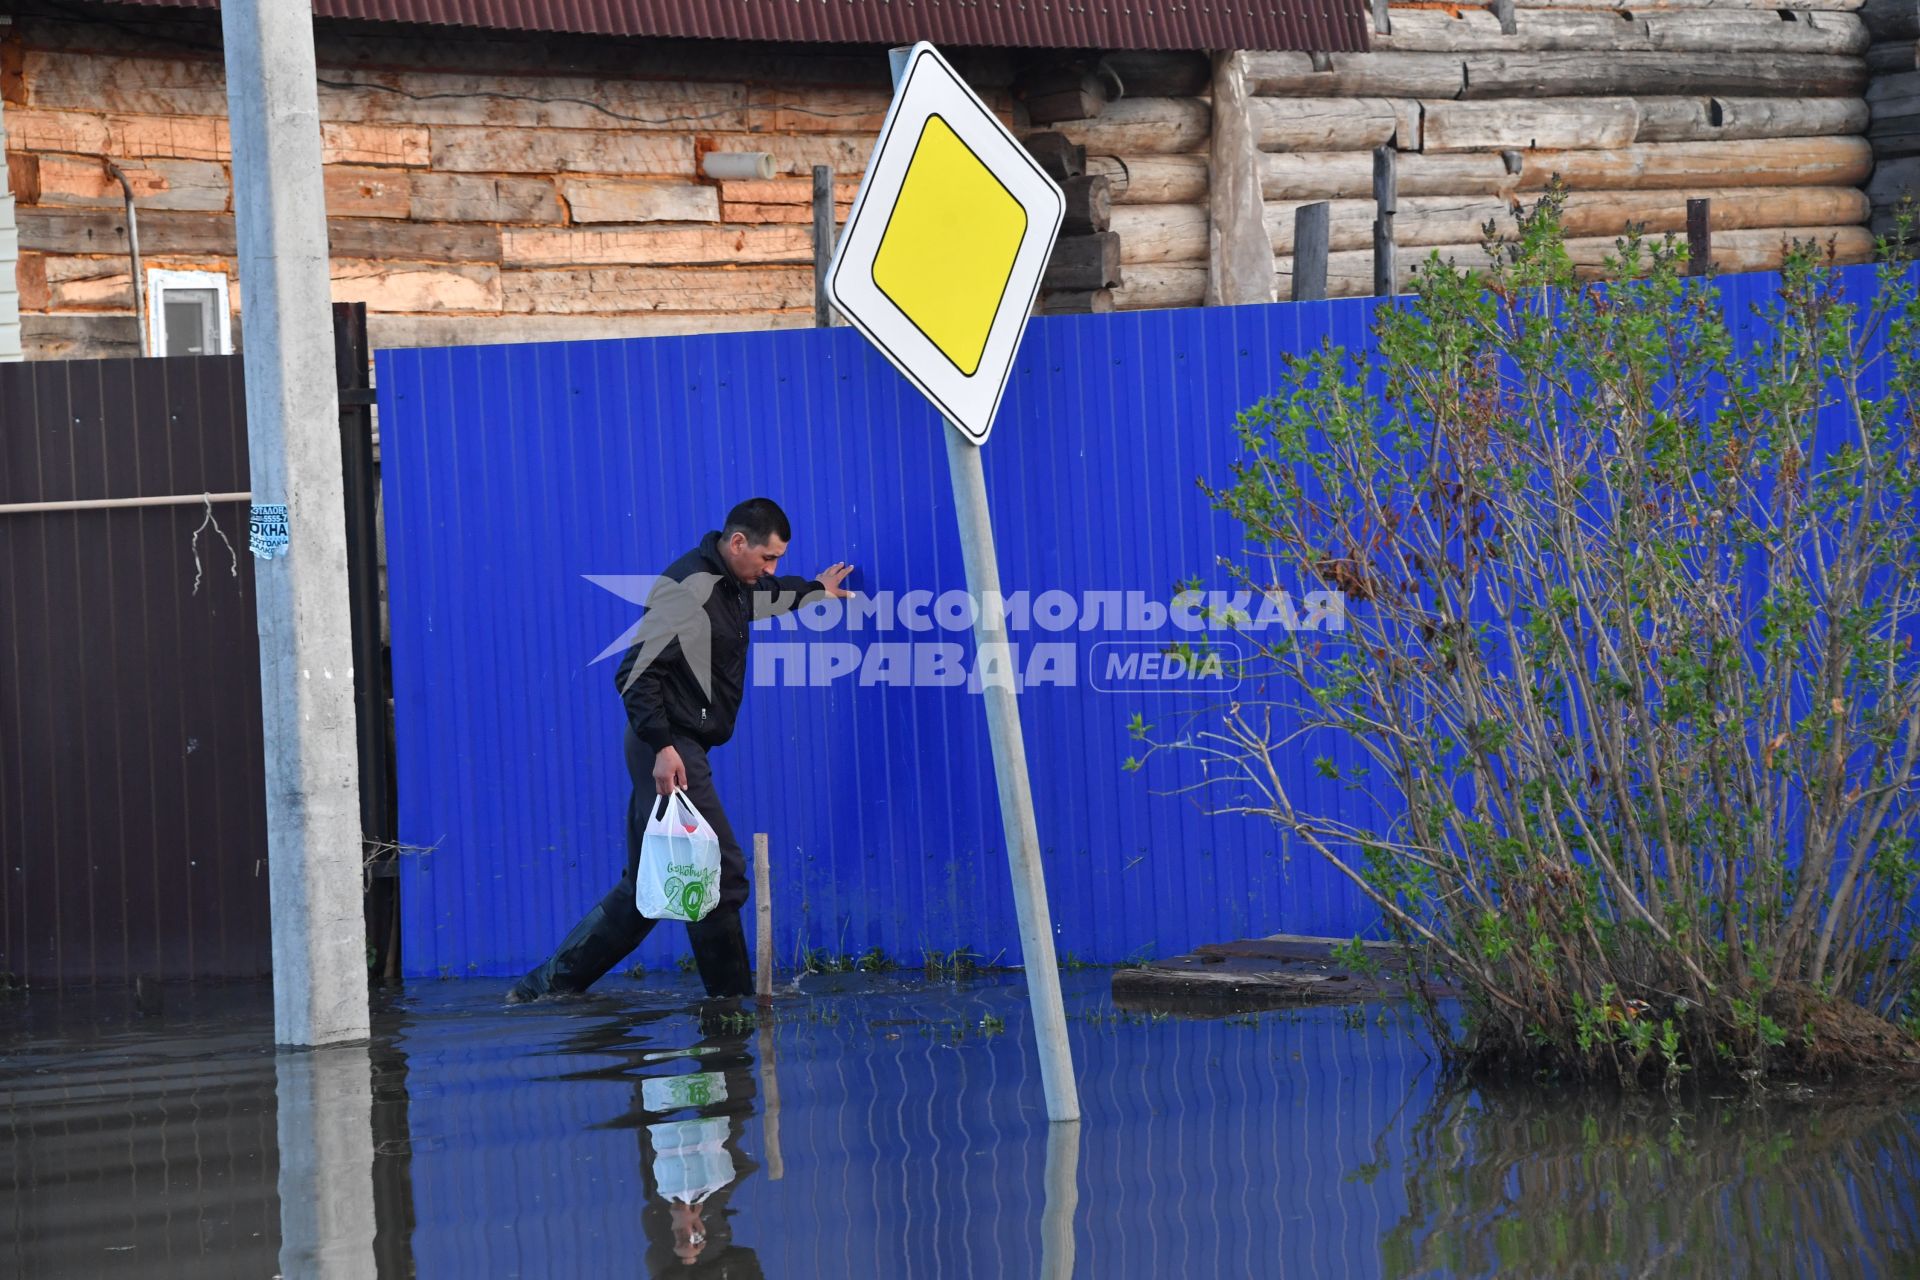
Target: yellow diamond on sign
[949,247]
[947,244]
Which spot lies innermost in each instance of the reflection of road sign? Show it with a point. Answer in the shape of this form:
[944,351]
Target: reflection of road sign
[942,256]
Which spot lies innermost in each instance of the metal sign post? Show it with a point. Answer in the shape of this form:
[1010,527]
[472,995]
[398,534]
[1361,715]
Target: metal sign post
[939,266]
[1010,772]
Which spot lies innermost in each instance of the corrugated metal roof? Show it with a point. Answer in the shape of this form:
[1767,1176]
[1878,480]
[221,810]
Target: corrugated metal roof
[1331,25]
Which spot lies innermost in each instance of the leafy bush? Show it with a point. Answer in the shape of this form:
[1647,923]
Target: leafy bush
[1630,604]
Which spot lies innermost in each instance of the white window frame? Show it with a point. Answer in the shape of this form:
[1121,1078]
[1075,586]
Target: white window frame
[9,252]
[160,279]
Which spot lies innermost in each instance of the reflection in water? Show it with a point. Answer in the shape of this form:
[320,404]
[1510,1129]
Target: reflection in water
[391,1119]
[1063,1197]
[138,1145]
[626,1133]
[689,1111]
[770,1080]
[1601,1185]
[325,1112]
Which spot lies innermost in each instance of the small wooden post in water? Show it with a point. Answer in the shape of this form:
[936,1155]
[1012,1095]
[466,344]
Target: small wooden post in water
[763,921]
[1385,204]
[1311,237]
[1699,237]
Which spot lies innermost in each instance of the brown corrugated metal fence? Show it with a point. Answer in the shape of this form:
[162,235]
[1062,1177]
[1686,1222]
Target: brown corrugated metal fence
[1325,25]
[132,821]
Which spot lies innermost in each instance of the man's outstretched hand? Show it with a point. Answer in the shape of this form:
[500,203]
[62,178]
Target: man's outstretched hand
[831,577]
[669,771]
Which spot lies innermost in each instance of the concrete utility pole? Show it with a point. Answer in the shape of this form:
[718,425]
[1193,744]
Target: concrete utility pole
[293,437]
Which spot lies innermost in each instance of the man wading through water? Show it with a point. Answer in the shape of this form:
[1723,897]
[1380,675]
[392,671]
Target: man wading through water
[682,681]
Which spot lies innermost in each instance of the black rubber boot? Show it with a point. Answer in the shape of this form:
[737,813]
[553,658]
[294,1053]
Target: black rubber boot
[720,949]
[605,936]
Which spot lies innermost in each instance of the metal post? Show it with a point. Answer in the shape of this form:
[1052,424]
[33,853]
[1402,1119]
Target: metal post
[1385,204]
[1312,237]
[1010,772]
[822,243]
[133,255]
[351,357]
[306,643]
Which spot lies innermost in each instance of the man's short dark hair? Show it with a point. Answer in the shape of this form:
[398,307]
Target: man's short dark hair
[760,519]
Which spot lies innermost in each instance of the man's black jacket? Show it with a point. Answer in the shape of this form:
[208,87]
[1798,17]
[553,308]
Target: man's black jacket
[698,604]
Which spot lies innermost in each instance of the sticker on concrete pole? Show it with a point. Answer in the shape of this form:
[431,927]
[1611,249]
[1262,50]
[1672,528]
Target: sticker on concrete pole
[267,534]
[942,255]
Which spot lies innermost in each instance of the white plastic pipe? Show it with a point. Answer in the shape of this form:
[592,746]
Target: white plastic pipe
[110,504]
[733,166]
[133,252]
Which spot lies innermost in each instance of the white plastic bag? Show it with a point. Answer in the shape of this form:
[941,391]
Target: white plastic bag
[679,874]
[690,1158]
[672,1093]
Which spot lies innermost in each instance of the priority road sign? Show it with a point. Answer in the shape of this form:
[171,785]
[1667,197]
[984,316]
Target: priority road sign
[938,267]
[942,255]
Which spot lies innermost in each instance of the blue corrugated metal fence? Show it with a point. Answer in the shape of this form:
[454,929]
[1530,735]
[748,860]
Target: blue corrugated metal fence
[514,474]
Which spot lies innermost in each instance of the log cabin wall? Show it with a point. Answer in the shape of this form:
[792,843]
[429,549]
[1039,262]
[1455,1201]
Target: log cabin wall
[500,186]
[1757,106]
[1893,100]
[481,186]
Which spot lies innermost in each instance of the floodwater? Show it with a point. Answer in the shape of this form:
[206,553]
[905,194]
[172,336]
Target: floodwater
[881,1127]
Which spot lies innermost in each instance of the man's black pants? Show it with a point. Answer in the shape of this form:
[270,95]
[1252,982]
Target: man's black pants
[609,932]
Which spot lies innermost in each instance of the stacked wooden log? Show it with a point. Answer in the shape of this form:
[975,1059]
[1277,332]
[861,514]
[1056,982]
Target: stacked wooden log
[1893,99]
[1086,259]
[1759,109]
[1140,151]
